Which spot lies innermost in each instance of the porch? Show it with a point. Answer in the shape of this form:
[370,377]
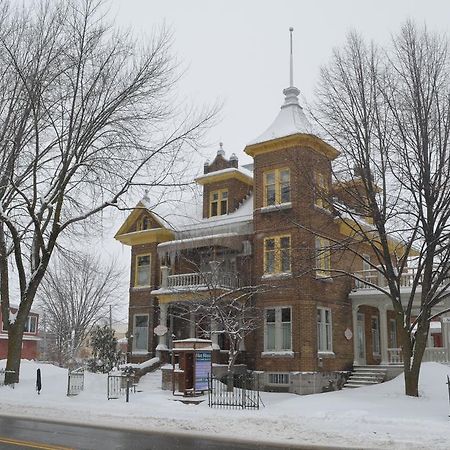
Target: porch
[375,332]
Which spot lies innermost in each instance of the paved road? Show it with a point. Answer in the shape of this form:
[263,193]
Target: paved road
[28,434]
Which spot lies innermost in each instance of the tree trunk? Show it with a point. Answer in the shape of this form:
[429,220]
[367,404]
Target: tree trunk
[14,354]
[413,349]
[230,381]
[412,381]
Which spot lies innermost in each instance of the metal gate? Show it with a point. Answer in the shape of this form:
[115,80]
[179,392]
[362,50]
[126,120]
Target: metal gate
[75,381]
[115,385]
[243,394]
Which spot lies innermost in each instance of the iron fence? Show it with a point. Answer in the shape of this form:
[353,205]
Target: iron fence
[242,392]
[115,386]
[121,384]
[75,381]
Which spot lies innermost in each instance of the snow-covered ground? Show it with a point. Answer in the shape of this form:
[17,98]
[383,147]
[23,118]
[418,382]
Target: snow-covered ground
[377,416]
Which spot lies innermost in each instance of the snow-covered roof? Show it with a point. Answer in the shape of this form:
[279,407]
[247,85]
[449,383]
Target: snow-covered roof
[230,170]
[290,120]
[185,217]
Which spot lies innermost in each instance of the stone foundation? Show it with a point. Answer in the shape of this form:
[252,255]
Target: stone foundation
[304,383]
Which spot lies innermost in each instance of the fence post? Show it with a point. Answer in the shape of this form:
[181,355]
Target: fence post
[448,387]
[128,390]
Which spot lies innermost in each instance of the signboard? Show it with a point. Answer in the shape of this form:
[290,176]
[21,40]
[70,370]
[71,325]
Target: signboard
[445,319]
[348,334]
[160,330]
[202,369]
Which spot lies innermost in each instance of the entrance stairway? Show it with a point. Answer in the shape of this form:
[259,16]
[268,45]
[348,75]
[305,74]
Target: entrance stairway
[365,376]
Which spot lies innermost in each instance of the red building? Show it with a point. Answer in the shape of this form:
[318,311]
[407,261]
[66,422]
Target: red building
[30,336]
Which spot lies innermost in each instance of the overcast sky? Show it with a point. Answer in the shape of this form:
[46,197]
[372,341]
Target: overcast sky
[237,52]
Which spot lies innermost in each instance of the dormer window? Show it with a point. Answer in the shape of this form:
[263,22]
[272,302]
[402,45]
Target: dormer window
[218,203]
[277,187]
[143,224]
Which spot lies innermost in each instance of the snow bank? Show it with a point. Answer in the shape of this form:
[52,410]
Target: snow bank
[376,416]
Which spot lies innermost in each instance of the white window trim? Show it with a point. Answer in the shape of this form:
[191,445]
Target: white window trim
[136,275]
[322,331]
[29,320]
[278,333]
[140,351]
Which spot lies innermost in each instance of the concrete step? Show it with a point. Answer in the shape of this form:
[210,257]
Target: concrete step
[362,381]
[357,377]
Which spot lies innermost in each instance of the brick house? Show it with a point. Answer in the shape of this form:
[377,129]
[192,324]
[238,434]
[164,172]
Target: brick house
[30,336]
[255,221]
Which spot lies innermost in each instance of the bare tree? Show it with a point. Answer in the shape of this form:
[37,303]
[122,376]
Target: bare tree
[224,304]
[388,110]
[85,115]
[76,293]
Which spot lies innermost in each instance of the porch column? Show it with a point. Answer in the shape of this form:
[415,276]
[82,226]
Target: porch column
[382,309]
[214,336]
[191,324]
[164,276]
[162,339]
[446,335]
[355,332]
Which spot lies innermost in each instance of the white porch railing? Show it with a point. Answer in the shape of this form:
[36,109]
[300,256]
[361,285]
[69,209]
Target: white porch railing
[204,279]
[374,277]
[436,354]
[395,355]
[431,354]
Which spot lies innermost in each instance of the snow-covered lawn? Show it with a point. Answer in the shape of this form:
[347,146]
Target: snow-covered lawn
[377,416]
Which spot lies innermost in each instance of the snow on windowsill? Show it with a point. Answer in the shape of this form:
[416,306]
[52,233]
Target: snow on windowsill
[326,354]
[324,277]
[277,207]
[280,354]
[140,288]
[275,276]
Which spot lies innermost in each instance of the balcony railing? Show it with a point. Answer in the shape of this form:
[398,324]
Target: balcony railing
[204,279]
[374,277]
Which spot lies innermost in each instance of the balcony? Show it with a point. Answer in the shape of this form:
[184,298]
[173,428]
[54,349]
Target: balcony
[374,277]
[203,280]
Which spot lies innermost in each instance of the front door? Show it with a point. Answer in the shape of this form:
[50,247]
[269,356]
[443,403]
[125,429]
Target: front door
[361,339]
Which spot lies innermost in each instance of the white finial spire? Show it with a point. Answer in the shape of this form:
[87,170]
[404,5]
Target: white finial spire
[221,151]
[291,72]
[291,92]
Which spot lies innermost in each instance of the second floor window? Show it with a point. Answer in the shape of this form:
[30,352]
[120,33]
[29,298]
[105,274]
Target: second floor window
[277,187]
[277,254]
[218,203]
[30,325]
[323,257]
[143,270]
